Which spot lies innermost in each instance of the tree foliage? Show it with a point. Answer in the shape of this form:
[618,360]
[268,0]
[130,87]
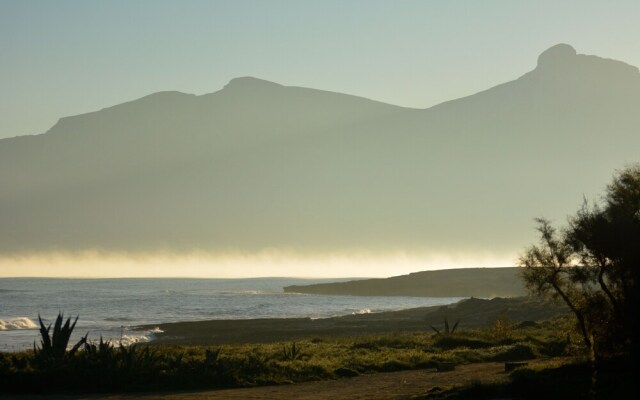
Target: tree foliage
[593,265]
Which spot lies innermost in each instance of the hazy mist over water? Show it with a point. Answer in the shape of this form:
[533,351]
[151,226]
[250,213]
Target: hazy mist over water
[237,265]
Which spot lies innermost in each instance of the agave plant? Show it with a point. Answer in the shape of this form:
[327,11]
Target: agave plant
[54,345]
[102,350]
[447,331]
[212,356]
[133,358]
[291,353]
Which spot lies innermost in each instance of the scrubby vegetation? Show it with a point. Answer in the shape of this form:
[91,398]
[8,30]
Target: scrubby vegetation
[103,366]
[593,265]
[555,380]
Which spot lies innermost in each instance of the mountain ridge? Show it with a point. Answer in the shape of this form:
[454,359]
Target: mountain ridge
[558,55]
[260,165]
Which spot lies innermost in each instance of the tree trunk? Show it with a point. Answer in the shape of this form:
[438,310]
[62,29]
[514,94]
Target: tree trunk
[605,288]
[581,322]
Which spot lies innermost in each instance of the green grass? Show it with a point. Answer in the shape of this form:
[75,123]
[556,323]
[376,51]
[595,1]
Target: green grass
[103,367]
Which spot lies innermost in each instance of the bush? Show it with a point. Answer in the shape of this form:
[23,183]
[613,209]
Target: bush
[448,342]
[516,352]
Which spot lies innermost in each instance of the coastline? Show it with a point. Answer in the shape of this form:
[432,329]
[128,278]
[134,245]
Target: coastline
[472,313]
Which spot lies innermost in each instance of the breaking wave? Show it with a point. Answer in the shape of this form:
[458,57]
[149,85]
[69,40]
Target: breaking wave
[17,323]
[128,340]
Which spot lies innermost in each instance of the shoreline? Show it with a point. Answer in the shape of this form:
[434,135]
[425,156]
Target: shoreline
[472,313]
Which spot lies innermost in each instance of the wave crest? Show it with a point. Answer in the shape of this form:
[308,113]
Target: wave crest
[17,323]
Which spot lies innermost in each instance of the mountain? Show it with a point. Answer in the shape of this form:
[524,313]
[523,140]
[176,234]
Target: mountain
[460,282]
[260,165]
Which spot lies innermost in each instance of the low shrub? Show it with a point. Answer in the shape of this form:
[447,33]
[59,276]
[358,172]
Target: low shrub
[448,342]
[515,352]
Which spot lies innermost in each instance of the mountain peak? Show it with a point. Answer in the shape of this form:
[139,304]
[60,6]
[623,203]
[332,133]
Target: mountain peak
[563,58]
[250,83]
[560,54]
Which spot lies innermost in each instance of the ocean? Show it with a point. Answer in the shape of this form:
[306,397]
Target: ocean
[113,308]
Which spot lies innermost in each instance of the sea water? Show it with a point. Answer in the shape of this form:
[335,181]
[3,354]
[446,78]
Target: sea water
[113,308]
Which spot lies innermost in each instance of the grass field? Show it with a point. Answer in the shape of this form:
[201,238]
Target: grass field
[105,367]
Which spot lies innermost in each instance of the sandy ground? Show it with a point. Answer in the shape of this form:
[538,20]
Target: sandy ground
[380,386]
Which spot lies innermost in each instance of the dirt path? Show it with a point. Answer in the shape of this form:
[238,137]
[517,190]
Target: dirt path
[381,386]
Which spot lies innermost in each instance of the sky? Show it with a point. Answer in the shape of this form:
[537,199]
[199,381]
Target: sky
[62,58]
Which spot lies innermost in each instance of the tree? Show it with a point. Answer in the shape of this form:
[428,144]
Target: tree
[593,265]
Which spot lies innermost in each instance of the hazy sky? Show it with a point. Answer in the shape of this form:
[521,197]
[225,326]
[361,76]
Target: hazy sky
[60,58]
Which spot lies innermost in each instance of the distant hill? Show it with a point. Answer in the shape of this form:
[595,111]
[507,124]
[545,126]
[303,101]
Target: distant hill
[463,282]
[259,165]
